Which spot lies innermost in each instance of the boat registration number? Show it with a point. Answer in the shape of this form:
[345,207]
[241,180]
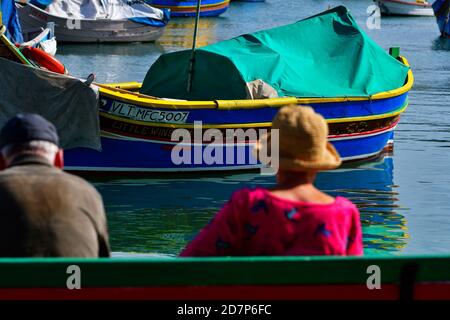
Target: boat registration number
[147,115]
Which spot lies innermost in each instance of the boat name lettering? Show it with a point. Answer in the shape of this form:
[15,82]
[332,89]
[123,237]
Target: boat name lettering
[148,115]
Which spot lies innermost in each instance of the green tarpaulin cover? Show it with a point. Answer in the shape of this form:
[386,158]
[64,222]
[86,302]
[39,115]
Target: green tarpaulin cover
[326,55]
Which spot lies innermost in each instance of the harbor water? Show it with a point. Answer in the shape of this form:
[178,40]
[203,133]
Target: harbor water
[404,198]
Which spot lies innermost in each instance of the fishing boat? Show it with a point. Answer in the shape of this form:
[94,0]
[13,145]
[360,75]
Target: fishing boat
[138,120]
[423,277]
[405,7]
[97,21]
[187,8]
[442,12]
[133,118]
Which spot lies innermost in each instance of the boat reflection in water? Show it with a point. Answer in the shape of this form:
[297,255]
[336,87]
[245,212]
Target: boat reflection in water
[372,189]
[179,33]
[441,43]
[160,215]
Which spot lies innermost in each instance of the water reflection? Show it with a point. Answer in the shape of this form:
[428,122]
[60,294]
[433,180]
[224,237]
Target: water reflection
[160,215]
[134,49]
[372,189]
[441,43]
[179,33]
[111,62]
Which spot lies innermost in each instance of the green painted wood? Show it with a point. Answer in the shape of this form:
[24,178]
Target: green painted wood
[394,52]
[51,272]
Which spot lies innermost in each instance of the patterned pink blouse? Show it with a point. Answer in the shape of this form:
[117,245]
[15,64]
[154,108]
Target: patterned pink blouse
[256,222]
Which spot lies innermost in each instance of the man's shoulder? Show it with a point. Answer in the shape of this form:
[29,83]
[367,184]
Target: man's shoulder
[52,175]
[75,181]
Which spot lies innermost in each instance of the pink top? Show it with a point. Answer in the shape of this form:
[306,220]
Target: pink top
[256,222]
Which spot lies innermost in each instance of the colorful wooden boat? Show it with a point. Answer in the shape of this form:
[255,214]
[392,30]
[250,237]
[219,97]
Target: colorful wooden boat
[442,12]
[360,128]
[187,8]
[137,128]
[257,278]
[405,7]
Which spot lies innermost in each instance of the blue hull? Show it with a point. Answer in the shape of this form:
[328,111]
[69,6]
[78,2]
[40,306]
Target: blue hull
[209,8]
[120,155]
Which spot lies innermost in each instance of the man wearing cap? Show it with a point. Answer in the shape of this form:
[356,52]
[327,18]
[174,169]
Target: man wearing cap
[45,212]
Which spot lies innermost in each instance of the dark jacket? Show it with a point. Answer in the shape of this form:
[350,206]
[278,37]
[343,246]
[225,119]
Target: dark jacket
[45,212]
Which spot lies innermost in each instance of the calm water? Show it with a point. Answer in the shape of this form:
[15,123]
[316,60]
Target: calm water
[404,199]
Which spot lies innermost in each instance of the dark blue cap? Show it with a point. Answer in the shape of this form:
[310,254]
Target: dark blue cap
[27,127]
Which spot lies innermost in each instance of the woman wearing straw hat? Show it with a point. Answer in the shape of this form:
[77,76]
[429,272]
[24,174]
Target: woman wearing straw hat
[293,218]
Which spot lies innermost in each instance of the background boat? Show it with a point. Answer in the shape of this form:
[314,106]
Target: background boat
[405,7]
[442,12]
[93,30]
[187,8]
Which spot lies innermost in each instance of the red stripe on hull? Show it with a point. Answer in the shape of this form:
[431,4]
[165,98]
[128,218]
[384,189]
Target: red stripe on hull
[322,292]
[423,291]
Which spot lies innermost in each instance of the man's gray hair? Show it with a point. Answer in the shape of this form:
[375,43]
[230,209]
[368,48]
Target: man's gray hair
[41,148]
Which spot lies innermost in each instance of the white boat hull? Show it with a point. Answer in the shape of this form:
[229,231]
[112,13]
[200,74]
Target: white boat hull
[405,8]
[88,30]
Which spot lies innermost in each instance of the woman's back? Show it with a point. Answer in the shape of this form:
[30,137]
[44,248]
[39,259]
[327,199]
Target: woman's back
[258,222]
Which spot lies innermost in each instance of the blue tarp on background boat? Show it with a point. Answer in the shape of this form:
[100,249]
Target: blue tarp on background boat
[41,3]
[441,10]
[10,20]
[135,11]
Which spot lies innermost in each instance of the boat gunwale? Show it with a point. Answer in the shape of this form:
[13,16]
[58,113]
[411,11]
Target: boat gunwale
[216,271]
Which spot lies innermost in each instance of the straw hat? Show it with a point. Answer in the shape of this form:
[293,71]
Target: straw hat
[303,144]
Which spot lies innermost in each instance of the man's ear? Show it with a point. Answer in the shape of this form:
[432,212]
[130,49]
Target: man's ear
[2,162]
[59,159]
